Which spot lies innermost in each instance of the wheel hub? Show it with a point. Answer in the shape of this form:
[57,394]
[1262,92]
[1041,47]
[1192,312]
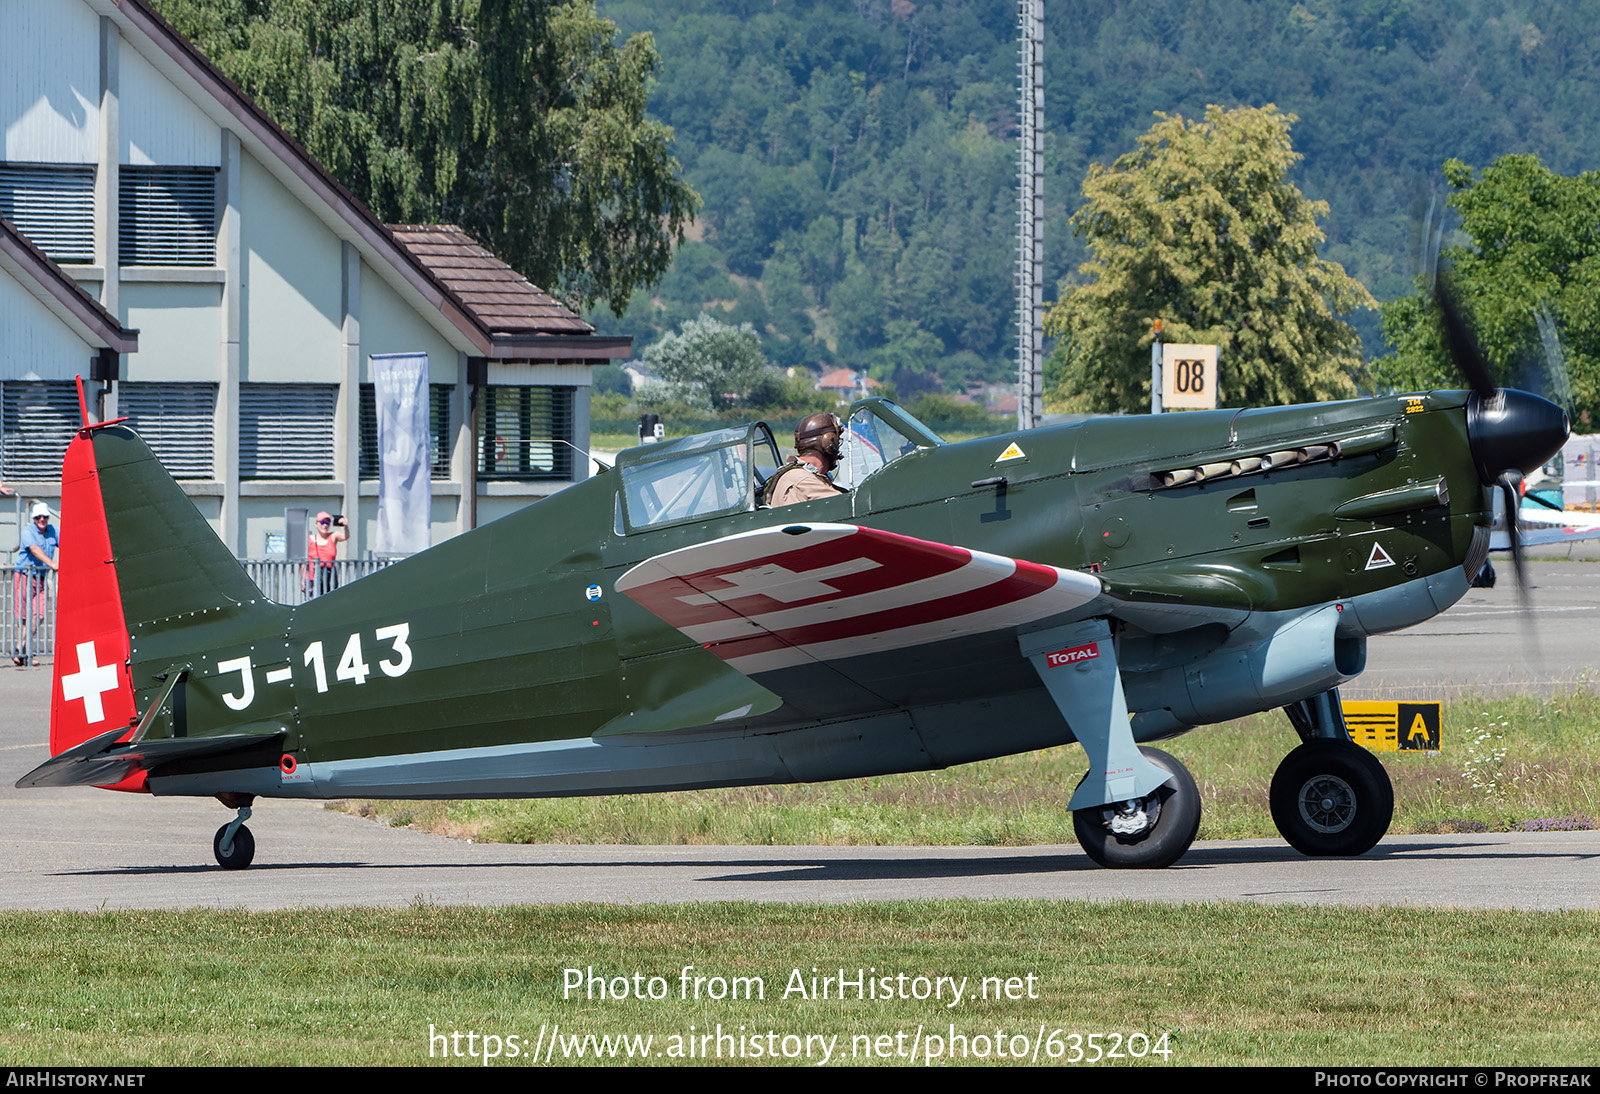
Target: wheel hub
[1135,816]
[1327,804]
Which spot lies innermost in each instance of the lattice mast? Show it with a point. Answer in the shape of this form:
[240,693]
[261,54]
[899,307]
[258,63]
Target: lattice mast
[1030,220]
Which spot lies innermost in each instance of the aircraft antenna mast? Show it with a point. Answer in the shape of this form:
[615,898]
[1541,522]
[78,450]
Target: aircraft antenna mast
[1030,227]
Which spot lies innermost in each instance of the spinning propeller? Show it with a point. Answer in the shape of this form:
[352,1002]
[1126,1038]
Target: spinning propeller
[1511,433]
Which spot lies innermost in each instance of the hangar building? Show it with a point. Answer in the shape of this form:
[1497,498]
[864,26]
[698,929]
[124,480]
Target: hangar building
[164,238]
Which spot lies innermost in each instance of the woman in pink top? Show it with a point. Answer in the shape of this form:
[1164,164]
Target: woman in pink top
[322,551]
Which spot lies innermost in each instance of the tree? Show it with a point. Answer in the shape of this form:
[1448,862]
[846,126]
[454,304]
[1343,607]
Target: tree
[1200,228]
[1532,270]
[521,120]
[712,365]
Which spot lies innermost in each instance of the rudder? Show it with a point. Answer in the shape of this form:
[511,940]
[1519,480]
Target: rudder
[91,692]
[141,572]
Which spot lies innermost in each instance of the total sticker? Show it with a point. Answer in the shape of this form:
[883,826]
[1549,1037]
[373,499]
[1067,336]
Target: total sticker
[1069,656]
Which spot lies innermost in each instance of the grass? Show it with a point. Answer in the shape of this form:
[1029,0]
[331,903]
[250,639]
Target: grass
[1202,985]
[1214,984]
[1508,764]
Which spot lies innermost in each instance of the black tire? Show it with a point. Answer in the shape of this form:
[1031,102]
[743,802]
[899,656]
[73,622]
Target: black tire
[242,853]
[1176,805]
[1332,797]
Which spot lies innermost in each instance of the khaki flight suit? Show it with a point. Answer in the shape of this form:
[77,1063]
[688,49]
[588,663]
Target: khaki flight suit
[798,481]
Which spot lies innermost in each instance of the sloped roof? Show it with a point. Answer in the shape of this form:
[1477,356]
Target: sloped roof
[357,224]
[57,290]
[845,378]
[500,299]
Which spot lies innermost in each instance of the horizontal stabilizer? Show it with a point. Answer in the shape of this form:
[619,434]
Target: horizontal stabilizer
[100,761]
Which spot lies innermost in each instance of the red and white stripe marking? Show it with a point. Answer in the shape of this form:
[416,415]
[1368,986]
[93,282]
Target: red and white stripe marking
[772,599]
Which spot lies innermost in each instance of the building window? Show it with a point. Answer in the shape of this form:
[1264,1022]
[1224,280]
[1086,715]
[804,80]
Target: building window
[438,431]
[286,431]
[526,433]
[37,421]
[168,216]
[53,205]
[177,421]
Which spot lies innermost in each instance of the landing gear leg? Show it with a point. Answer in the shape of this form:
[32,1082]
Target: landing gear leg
[233,844]
[1136,807]
[1330,796]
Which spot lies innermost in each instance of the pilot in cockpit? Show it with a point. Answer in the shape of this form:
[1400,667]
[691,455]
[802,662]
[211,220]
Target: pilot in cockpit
[809,473]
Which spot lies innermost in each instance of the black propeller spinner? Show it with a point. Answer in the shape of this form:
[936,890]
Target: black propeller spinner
[1511,432]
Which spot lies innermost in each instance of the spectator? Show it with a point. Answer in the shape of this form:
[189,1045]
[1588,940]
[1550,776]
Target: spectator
[36,559]
[322,552]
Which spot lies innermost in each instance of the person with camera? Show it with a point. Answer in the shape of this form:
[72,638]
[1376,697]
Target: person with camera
[322,552]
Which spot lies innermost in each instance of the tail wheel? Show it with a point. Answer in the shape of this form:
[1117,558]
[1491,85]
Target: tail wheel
[1332,797]
[240,853]
[1144,833]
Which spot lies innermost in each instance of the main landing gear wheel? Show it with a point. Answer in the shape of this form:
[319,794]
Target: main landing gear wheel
[1331,797]
[240,853]
[1144,833]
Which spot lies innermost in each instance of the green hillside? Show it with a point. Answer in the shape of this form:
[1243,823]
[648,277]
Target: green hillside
[857,160]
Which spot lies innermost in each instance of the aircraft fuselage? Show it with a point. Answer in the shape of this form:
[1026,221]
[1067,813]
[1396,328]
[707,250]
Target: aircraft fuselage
[503,662]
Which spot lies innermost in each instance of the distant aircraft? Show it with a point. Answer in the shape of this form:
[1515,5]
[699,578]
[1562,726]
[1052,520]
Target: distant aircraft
[1540,523]
[656,628]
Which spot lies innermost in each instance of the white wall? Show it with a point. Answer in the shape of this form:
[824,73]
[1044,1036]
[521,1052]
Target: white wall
[50,89]
[292,317]
[159,124]
[34,344]
[180,331]
[390,325]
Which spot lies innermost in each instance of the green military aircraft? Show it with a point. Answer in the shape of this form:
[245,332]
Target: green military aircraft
[1113,582]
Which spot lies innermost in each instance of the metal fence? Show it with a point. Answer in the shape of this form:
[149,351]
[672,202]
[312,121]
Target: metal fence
[299,581]
[28,622]
[28,629]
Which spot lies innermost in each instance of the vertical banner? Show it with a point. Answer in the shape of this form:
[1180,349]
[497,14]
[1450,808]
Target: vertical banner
[405,483]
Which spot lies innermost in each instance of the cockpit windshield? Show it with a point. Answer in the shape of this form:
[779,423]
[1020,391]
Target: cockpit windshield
[724,471]
[693,478]
[878,433]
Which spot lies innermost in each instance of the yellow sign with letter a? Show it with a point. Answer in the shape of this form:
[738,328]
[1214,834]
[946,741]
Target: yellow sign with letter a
[1385,726]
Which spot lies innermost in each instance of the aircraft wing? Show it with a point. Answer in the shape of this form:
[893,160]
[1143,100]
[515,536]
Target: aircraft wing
[778,597]
[800,606]
[836,618]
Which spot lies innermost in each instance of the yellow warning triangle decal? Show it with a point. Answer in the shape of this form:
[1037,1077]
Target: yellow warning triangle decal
[1012,452]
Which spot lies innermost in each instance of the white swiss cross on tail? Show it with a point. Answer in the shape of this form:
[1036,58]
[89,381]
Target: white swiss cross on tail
[89,683]
[93,692]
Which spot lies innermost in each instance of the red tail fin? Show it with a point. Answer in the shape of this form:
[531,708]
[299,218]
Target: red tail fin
[93,692]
